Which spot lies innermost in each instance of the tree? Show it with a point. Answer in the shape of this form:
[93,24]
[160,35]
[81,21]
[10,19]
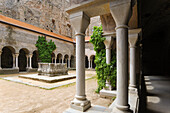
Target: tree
[45,49]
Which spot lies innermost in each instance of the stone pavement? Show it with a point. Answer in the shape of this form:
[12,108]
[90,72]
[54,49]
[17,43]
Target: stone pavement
[158,94]
[20,98]
[41,84]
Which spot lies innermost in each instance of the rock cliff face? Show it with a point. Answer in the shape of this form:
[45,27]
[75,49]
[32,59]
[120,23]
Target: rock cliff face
[46,14]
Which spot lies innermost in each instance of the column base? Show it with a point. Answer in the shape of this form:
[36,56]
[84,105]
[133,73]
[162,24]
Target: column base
[107,93]
[81,105]
[116,110]
[133,88]
[16,67]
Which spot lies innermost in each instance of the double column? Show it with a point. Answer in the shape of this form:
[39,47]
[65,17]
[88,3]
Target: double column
[80,22]
[121,11]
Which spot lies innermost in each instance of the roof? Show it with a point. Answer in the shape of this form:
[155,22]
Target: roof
[20,24]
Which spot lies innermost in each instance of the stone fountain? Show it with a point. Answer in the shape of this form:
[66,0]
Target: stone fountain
[51,69]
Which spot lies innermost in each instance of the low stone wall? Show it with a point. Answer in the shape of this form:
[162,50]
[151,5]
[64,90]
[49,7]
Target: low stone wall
[32,70]
[51,69]
[9,70]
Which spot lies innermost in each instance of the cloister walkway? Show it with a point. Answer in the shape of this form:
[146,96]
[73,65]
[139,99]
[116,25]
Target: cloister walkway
[158,94]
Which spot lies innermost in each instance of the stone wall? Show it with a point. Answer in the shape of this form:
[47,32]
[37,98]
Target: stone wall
[46,14]
[18,39]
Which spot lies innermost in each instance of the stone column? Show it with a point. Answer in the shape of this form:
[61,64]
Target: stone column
[108,44]
[89,63]
[55,60]
[133,38]
[30,56]
[69,63]
[0,60]
[80,22]
[16,55]
[27,60]
[13,60]
[121,12]
[62,60]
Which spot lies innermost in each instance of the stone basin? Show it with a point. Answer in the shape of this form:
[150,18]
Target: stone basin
[52,69]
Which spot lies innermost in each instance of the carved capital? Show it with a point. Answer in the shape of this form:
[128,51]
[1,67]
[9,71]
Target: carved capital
[121,11]
[133,37]
[16,54]
[109,39]
[80,22]
[30,55]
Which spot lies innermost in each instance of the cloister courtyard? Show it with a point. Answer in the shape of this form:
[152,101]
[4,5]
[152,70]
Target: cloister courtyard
[21,98]
[84,56]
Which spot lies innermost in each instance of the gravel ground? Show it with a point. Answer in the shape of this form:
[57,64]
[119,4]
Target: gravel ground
[20,98]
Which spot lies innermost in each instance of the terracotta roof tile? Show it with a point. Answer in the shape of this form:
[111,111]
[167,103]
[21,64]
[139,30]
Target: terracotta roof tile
[31,27]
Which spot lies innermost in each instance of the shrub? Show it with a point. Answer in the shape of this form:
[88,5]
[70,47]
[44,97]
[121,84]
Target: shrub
[45,49]
[104,71]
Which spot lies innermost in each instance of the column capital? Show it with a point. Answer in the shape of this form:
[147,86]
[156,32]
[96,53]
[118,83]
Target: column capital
[133,37]
[80,22]
[30,55]
[16,54]
[121,11]
[109,39]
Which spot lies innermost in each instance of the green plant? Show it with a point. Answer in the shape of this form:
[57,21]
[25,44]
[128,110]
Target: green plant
[104,71]
[45,49]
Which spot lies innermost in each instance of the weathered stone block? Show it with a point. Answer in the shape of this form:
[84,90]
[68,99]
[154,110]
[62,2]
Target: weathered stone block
[51,69]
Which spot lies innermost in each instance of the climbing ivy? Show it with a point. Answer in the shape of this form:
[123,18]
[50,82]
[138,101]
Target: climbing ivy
[104,71]
[45,49]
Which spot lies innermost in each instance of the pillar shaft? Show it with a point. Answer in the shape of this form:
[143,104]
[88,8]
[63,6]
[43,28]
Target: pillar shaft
[0,60]
[55,60]
[80,68]
[16,60]
[132,67]
[30,57]
[68,63]
[108,55]
[89,63]
[122,67]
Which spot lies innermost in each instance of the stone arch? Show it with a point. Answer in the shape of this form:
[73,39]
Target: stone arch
[7,57]
[59,58]
[26,50]
[35,59]
[22,60]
